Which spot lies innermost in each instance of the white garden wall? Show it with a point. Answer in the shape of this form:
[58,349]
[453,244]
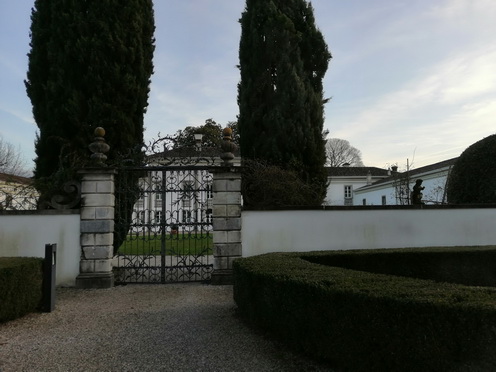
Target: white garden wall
[371,228]
[25,235]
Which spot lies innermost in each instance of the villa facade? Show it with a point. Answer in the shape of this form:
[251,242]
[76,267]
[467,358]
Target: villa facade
[396,188]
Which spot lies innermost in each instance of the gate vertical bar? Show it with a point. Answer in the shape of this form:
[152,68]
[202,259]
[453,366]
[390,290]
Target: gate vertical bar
[163,228]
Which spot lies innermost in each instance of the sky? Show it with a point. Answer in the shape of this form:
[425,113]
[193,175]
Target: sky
[412,82]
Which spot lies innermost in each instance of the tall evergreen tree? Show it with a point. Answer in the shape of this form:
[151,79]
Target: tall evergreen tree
[283,59]
[90,65]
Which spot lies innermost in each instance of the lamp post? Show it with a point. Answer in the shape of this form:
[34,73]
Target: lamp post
[198,141]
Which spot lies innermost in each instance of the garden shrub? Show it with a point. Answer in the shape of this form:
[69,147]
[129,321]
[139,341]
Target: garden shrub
[364,321]
[267,186]
[21,280]
[473,177]
[469,266]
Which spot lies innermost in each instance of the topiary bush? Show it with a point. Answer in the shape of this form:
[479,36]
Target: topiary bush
[473,177]
[360,320]
[21,292]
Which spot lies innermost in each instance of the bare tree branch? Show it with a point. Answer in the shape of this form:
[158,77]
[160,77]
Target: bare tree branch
[339,152]
[11,160]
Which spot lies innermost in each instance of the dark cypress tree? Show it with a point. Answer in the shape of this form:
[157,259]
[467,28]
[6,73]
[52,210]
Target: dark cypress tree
[90,65]
[52,61]
[283,59]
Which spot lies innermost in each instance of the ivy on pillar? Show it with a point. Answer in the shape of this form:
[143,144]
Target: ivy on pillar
[97,218]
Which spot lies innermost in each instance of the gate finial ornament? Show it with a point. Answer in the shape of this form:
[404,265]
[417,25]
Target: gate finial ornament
[99,147]
[228,147]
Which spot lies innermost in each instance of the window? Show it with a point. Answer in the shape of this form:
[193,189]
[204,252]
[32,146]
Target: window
[364,201]
[348,192]
[383,199]
[175,217]
[209,215]
[159,217]
[348,195]
[209,191]
[186,203]
[186,216]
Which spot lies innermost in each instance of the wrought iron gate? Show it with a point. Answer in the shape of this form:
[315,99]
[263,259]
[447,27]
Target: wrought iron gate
[169,235]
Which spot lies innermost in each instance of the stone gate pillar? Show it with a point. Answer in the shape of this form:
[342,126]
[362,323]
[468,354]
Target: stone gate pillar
[226,223]
[97,220]
[226,213]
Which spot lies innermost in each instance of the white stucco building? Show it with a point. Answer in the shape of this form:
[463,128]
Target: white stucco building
[396,189]
[343,181]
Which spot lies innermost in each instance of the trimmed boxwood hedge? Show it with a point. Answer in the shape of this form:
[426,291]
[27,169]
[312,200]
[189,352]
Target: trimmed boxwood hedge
[366,321]
[21,292]
[474,266]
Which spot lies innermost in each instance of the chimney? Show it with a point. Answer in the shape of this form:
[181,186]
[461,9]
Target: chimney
[394,168]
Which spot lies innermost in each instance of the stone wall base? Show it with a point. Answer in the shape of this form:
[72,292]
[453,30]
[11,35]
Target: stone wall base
[95,280]
[222,277]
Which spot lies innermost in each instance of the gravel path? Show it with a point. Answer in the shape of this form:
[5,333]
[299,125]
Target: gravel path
[178,327]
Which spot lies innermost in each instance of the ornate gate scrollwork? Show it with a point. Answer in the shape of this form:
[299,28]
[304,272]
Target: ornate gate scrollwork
[170,235]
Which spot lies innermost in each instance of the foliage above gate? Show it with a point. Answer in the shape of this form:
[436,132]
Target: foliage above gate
[167,151]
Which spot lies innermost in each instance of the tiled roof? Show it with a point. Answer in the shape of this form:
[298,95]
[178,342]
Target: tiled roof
[15,179]
[441,164]
[417,171]
[356,171]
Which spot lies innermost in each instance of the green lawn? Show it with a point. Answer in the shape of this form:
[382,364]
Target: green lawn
[182,244]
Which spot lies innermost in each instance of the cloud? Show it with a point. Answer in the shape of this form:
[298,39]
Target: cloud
[19,114]
[465,11]
[448,105]
[468,77]
[14,66]
[188,94]
[195,76]
[452,82]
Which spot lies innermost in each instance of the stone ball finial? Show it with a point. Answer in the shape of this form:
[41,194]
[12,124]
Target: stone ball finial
[228,147]
[99,132]
[99,147]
